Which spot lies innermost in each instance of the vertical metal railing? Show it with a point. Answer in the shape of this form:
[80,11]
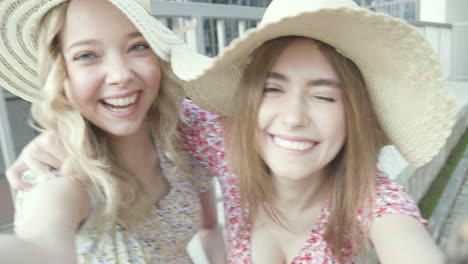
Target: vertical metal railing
[221,30]
[6,138]
[214,24]
[6,144]
[441,38]
[404,9]
[216,28]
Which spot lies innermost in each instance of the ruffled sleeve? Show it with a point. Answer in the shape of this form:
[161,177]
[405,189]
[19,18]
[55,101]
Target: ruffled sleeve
[393,198]
[201,136]
[202,176]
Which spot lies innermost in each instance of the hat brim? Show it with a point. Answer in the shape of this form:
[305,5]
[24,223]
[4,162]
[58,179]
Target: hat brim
[401,71]
[19,21]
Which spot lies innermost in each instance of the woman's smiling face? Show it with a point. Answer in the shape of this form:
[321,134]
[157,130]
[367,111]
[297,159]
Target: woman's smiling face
[113,76]
[301,121]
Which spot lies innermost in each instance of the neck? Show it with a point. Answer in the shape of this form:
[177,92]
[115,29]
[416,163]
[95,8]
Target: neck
[135,151]
[294,197]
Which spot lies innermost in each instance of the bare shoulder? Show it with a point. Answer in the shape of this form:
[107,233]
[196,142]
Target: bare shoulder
[226,122]
[400,238]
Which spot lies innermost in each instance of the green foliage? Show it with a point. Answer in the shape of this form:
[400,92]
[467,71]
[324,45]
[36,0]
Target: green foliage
[430,199]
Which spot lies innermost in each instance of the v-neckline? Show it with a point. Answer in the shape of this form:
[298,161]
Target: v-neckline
[163,164]
[318,224]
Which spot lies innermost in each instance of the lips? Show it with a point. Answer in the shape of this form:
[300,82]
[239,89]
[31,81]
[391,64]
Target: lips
[121,104]
[299,145]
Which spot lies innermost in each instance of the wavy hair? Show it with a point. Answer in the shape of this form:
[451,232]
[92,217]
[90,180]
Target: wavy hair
[91,160]
[352,173]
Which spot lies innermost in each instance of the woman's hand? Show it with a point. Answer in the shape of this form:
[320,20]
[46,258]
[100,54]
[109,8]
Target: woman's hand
[48,218]
[43,154]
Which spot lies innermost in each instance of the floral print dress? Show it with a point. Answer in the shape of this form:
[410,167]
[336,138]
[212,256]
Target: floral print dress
[203,137]
[161,238]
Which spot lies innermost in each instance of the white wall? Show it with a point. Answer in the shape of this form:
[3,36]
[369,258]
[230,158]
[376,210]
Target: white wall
[433,10]
[456,11]
[443,11]
[459,59]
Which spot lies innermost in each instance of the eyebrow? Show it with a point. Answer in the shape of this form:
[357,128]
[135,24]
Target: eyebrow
[131,35]
[316,82]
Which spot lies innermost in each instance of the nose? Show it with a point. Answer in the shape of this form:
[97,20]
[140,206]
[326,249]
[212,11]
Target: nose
[119,71]
[295,111]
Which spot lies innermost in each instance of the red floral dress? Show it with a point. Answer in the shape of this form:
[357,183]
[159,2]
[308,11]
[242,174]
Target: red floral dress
[202,135]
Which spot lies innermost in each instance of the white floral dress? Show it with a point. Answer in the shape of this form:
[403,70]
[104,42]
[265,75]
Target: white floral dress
[161,238]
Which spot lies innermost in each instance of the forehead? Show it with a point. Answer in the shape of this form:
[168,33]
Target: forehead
[302,56]
[88,18]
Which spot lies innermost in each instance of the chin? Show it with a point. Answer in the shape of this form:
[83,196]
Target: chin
[122,132]
[289,174]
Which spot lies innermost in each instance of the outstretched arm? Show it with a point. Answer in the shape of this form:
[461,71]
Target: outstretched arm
[402,239]
[211,234]
[46,230]
[43,154]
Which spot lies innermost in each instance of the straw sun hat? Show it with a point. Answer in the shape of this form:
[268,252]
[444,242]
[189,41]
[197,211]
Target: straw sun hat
[401,70]
[19,20]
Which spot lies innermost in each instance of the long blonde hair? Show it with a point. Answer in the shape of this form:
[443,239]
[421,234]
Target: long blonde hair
[91,159]
[352,172]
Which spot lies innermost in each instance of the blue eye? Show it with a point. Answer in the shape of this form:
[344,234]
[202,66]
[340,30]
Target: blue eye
[139,47]
[87,56]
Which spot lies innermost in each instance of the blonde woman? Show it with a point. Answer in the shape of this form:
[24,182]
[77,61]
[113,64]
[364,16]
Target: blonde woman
[102,82]
[309,97]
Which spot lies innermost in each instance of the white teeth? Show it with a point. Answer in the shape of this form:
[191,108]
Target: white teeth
[120,110]
[294,145]
[125,101]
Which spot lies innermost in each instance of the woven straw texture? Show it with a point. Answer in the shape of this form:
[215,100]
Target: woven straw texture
[402,72]
[19,21]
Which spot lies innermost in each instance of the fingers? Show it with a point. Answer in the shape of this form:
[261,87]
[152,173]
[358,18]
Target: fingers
[37,164]
[13,175]
[42,155]
[50,142]
[42,162]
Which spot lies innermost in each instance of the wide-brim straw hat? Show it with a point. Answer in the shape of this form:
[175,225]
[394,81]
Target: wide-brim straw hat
[401,70]
[19,21]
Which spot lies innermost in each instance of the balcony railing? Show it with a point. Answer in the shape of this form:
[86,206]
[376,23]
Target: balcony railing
[217,24]
[404,9]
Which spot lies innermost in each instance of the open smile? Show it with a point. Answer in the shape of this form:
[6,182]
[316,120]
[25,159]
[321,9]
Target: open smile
[121,104]
[294,144]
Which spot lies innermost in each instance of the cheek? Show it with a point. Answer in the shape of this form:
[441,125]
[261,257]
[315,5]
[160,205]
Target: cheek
[82,90]
[341,121]
[82,83]
[265,115]
[68,91]
[334,125]
[150,71]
